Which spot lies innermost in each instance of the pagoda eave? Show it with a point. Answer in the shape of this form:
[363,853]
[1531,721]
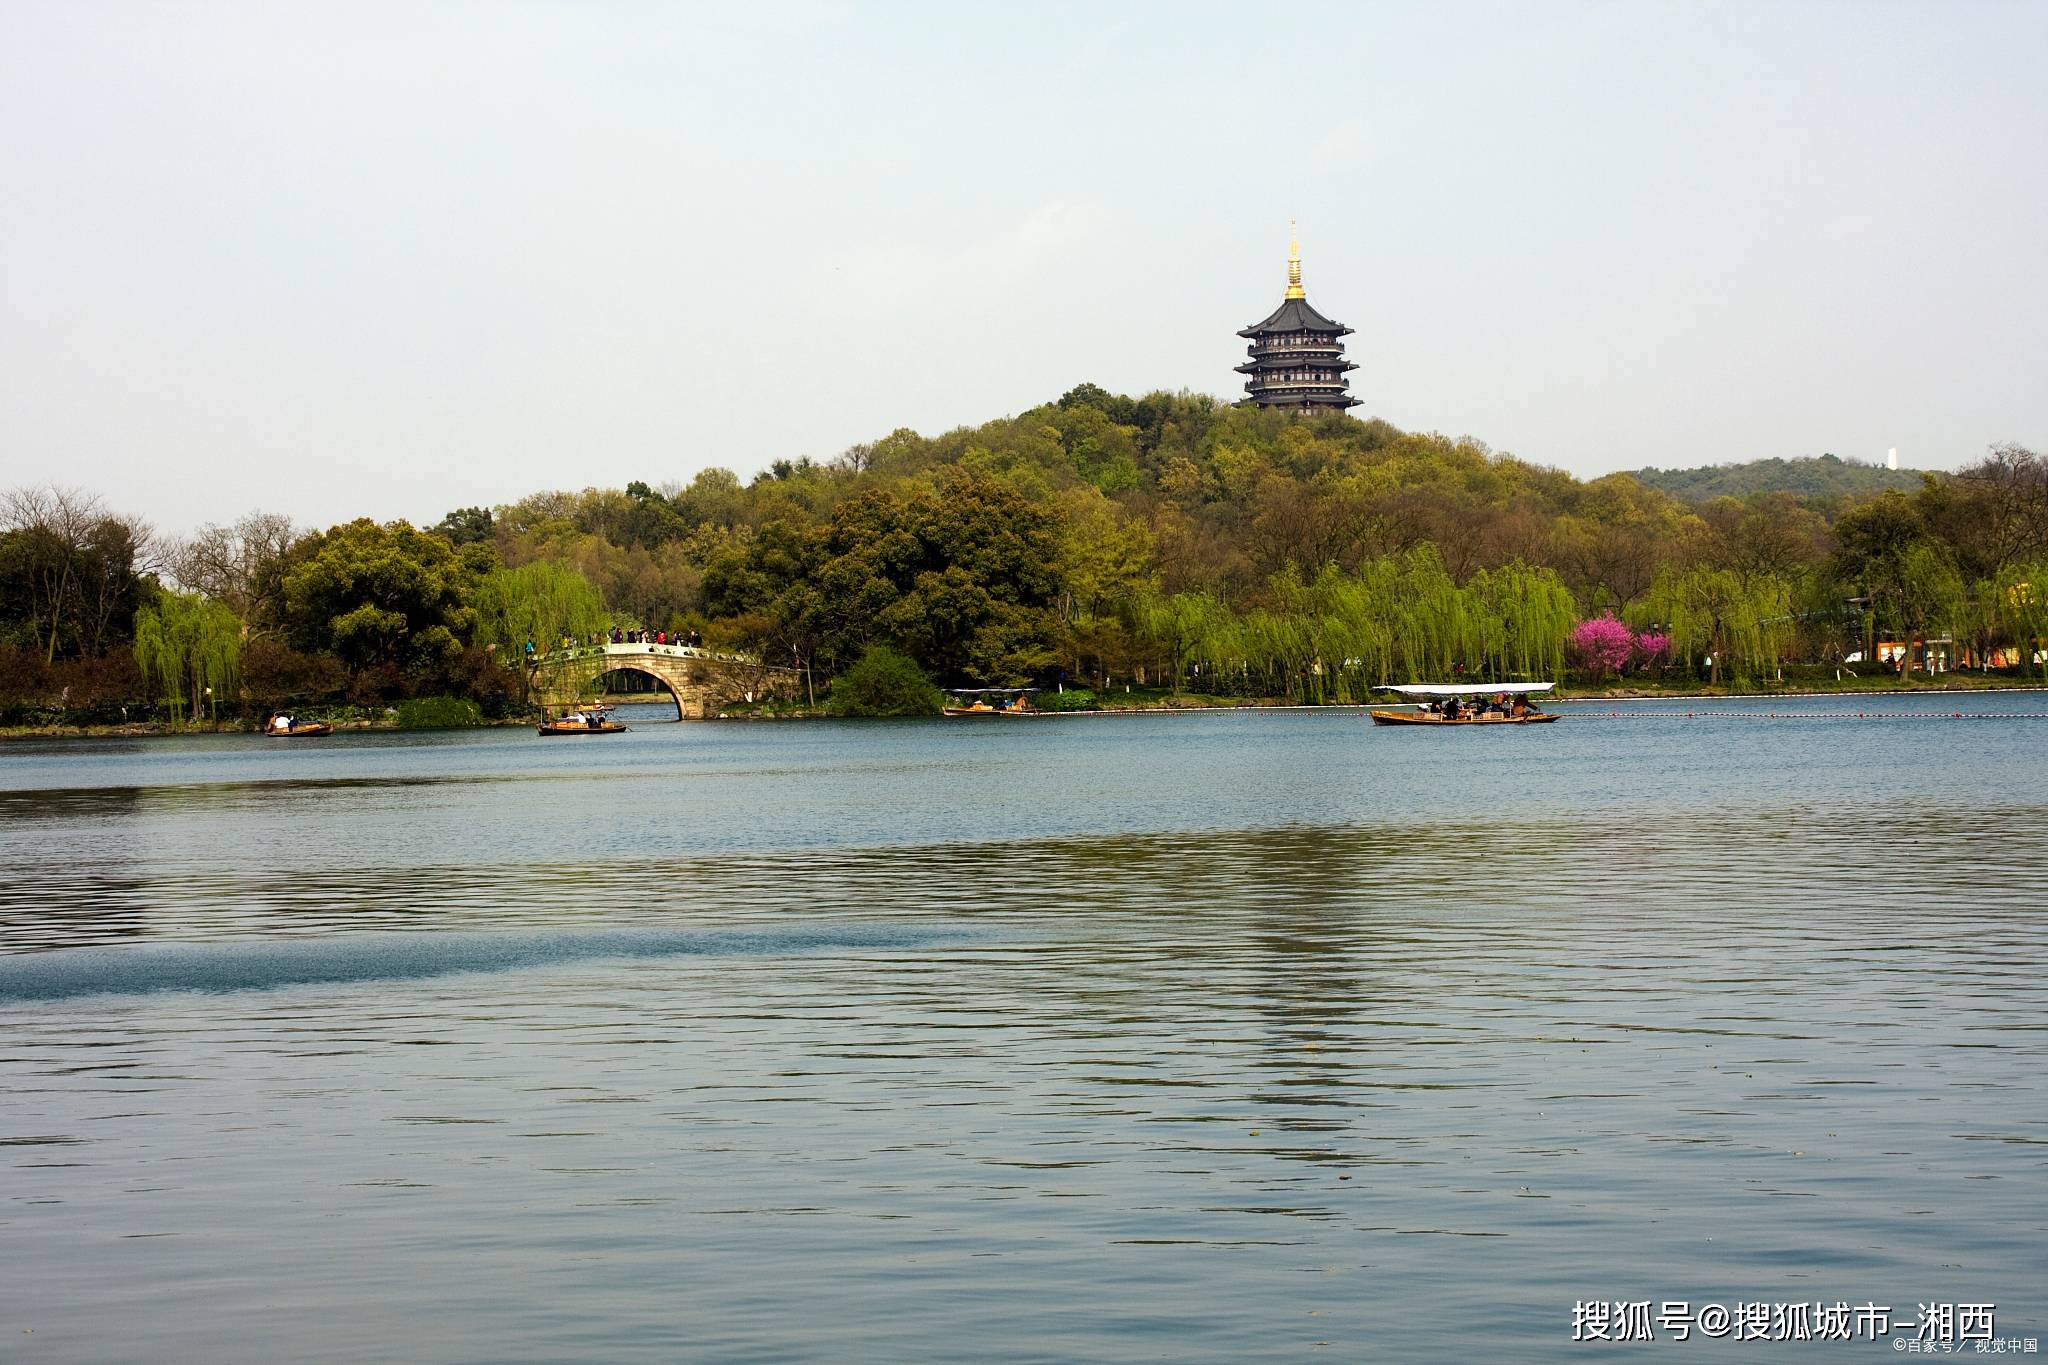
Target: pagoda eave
[1260,329]
[1265,364]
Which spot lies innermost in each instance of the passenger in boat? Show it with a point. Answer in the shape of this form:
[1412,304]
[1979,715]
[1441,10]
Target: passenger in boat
[1453,710]
[1519,709]
[281,724]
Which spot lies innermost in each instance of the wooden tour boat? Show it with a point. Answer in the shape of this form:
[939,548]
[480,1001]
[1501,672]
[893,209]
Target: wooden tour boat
[296,729]
[988,701]
[1448,704]
[593,720]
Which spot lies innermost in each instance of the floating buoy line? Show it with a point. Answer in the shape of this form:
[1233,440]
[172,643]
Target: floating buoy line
[1582,712]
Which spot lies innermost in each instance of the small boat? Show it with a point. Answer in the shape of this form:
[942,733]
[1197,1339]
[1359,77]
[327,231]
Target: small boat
[591,722]
[1460,704]
[988,701]
[297,729]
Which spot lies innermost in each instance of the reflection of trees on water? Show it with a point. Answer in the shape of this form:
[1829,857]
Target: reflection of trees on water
[1307,926]
[63,882]
[1293,971]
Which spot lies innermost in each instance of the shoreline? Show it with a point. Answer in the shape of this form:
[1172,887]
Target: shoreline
[158,730]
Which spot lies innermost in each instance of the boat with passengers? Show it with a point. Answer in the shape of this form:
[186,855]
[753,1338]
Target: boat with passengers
[1466,704]
[591,719]
[991,701]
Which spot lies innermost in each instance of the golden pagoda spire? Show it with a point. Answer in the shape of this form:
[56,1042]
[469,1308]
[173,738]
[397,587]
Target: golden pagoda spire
[1294,290]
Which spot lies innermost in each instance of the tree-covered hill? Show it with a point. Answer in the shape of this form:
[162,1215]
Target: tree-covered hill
[1098,540]
[1818,476]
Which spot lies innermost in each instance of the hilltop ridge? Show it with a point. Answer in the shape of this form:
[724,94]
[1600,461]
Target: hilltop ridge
[1812,476]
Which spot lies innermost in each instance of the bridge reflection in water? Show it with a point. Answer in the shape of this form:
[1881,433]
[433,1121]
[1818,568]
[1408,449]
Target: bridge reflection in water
[701,680]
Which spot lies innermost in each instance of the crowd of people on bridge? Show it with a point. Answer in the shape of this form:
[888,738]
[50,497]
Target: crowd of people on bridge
[621,636]
[654,637]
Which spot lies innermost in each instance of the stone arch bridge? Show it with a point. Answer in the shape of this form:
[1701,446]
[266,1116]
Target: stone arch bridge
[700,680]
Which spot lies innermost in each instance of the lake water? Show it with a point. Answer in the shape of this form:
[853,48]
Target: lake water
[1247,1036]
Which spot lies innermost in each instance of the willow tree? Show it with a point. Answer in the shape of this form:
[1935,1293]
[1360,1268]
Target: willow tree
[1282,649]
[543,602]
[1762,627]
[1528,612]
[1744,619]
[1694,606]
[1429,618]
[1930,594]
[1356,636]
[2020,599]
[1189,627]
[189,649]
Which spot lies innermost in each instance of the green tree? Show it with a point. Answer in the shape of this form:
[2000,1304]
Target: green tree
[189,649]
[961,575]
[1187,627]
[883,682]
[466,526]
[2019,600]
[71,573]
[540,602]
[1909,578]
[241,566]
[1740,620]
[383,594]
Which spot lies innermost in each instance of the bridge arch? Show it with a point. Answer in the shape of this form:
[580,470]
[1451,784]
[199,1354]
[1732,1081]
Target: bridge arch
[661,684]
[700,680]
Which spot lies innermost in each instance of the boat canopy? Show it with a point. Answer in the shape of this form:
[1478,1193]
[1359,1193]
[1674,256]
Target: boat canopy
[1468,689]
[988,691]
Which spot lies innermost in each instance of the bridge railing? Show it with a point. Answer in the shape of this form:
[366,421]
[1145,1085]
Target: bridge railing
[606,650]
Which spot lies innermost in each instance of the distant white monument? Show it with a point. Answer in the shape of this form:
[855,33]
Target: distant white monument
[1891,459]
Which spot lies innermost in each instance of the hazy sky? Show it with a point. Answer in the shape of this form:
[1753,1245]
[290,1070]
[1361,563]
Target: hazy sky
[336,260]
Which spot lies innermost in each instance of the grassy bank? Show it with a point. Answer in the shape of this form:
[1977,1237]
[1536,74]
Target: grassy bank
[1795,682]
[342,718]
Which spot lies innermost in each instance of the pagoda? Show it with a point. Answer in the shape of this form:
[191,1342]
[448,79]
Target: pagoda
[1297,361]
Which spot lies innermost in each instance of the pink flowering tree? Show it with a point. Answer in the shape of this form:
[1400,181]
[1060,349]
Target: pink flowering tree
[1600,646]
[1652,650]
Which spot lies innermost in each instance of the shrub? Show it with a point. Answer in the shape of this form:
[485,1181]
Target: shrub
[1600,646]
[885,683]
[438,713]
[476,674]
[276,676]
[376,683]
[1073,699]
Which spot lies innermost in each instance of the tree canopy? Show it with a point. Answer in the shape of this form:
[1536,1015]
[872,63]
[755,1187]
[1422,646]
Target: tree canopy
[382,594]
[1162,539]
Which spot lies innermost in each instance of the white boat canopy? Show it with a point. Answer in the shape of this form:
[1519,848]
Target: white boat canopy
[1468,690]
